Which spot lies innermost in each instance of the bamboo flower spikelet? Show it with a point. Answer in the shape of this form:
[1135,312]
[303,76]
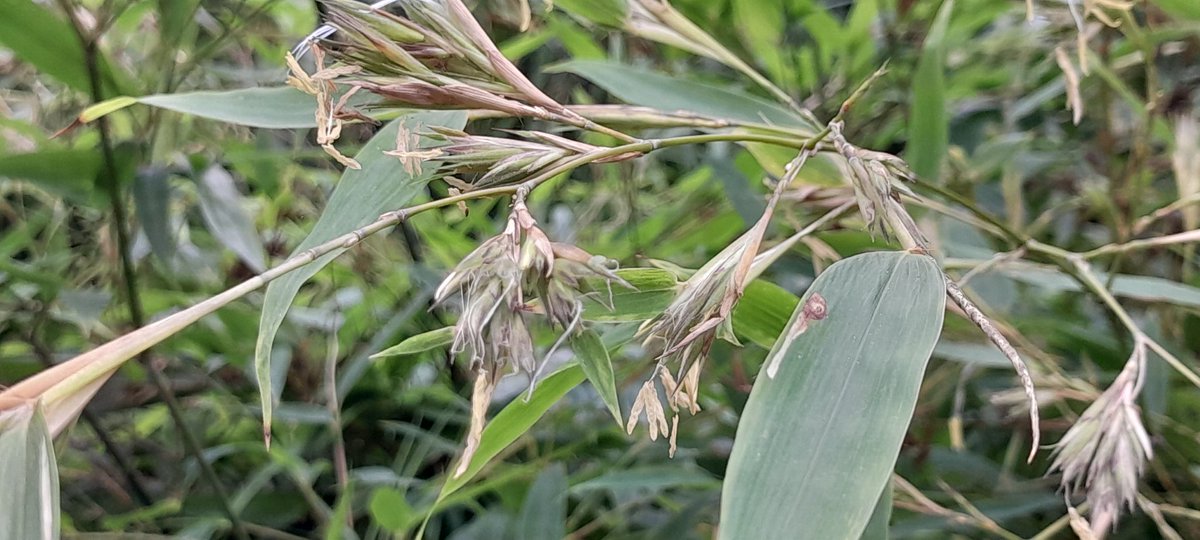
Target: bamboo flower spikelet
[434,56]
[508,161]
[1106,450]
[493,285]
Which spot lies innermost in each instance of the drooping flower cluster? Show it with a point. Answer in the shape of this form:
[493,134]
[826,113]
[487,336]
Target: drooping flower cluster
[878,179]
[494,283]
[701,312]
[1106,450]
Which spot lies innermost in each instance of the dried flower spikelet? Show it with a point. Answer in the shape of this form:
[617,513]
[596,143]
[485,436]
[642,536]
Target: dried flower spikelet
[877,179]
[491,282]
[1108,12]
[647,402]
[508,161]
[331,108]
[433,55]
[481,397]
[1104,453]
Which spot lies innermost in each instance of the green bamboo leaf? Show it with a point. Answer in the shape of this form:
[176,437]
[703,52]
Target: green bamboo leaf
[152,196]
[513,421]
[593,358]
[544,513]
[105,108]
[27,465]
[1145,288]
[360,197]
[648,479]
[653,290]
[929,127]
[1182,9]
[278,107]
[41,37]
[640,87]
[606,12]
[68,173]
[877,527]
[390,510]
[223,212]
[816,444]
[763,312]
[427,341]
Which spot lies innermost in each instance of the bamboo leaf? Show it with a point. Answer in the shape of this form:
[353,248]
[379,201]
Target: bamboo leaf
[639,87]
[152,196]
[221,206]
[44,39]
[390,510]
[606,12]
[544,514]
[929,127]
[27,465]
[68,173]
[360,197]
[593,358]
[279,107]
[513,421]
[877,527]
[840,401]
[427,341]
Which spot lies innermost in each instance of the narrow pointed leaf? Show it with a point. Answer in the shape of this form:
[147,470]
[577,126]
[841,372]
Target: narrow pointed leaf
[929,127]
[544,514]
[665,93]
[816,444]
[513,421]
[593,358]
[221,206]
[278,107]
[427,341]
[360,197]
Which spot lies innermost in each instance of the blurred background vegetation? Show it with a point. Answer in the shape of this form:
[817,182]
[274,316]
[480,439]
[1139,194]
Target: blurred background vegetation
[1078,149]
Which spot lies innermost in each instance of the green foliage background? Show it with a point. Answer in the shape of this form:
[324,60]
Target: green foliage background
[221,185]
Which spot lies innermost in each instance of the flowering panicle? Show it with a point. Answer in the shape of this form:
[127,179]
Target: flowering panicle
[493,283]
[1106,450]
[702,309]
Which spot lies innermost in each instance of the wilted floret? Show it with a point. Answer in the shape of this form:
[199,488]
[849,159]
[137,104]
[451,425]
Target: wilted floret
[492,283]
[1106,450]
[877,179]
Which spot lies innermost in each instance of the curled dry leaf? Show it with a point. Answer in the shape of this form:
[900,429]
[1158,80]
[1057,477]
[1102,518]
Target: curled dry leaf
[1074,102]
[481,397]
